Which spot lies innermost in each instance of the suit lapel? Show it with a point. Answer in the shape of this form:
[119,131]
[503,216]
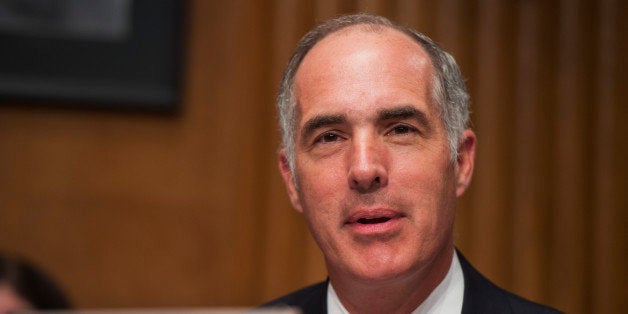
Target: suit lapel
[480,295]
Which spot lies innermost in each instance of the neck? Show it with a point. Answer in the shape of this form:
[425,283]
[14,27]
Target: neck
[397,295]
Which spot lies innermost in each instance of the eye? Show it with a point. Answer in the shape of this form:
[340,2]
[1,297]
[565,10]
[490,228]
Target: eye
[402,129]
[327,137]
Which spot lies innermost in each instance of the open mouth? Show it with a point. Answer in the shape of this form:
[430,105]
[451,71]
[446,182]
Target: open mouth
[370,221]
[373,217]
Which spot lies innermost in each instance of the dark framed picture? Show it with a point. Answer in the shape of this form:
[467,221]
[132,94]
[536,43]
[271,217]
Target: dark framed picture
[104,53]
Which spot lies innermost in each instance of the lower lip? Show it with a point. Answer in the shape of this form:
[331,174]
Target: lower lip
[382,228]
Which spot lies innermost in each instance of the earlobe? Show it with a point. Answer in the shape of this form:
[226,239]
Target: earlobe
[465,161]
[288,180]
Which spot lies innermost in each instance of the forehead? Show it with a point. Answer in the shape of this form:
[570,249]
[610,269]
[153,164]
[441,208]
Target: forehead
[362,65]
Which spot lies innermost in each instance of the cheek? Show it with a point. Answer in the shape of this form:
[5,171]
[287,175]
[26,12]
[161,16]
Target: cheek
[431,211]
[320,211]
[432,190]
[322,182]
[322,192]
[317,191]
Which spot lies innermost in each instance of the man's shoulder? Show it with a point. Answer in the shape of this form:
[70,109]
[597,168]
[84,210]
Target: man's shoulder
[483,296]
[480,296]
[311,299]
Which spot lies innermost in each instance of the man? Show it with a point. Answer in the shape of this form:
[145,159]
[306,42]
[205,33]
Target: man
[375,152]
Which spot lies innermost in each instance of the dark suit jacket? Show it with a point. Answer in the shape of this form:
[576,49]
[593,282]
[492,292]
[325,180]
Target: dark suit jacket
[480,296]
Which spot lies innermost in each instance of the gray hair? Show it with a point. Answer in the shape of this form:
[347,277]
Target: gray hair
[449,91]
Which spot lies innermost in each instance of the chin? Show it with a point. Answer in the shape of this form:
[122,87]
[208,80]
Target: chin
[380,276]
[381,270]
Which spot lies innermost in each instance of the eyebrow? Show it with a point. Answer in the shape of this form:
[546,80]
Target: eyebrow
[321,121]
[397,113]
[404,112]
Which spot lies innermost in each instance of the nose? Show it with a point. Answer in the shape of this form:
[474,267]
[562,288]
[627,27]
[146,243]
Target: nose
[367,171]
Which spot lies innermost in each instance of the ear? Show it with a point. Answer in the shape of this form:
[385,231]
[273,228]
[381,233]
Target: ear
[288,180]
[465,161]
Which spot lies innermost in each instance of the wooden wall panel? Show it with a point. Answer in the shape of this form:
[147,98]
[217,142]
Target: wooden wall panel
[609,247]
[147,210]
[492,182]
[528,233]
[570,199]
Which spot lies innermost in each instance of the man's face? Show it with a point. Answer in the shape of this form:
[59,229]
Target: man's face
[375,180]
